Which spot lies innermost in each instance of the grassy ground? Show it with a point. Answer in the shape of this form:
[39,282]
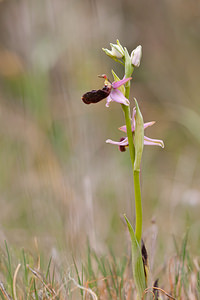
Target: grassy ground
[26,275]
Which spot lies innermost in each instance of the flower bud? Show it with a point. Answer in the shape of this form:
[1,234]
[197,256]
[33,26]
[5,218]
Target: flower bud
[116,51]
[136,55]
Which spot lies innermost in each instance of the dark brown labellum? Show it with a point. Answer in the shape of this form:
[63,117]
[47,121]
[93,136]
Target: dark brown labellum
[122,148]
[95,96]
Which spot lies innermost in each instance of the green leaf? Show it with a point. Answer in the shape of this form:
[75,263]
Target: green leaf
[139,137]
[137,263]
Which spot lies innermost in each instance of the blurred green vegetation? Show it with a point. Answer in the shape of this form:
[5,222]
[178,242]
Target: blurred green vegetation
[59,181]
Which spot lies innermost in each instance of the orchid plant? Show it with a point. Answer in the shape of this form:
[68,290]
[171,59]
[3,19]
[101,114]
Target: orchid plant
[118,91]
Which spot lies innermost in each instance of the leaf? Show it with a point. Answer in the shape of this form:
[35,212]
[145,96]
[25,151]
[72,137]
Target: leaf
[137,263]
[139,137]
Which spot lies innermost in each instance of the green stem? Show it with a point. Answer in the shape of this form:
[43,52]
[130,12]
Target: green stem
[138,206]
[136,173]
[127,89]
[126,110]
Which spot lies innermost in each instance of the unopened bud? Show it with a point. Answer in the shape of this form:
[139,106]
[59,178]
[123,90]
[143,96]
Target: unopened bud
[116,51]
[136,56]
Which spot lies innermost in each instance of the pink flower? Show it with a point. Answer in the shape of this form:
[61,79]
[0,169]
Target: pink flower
[109,91]
[116,95]
[147,141]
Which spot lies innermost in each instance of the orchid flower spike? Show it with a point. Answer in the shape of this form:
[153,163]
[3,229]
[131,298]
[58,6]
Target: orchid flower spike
[147,141]
[136,56]
[109,91]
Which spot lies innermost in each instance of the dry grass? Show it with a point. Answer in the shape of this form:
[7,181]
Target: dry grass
[24,276]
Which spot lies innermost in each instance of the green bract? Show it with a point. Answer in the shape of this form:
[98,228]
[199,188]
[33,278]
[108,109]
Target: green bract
[116,78]
[139,137]
[128,65]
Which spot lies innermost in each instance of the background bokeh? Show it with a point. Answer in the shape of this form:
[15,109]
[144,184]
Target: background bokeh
[59,181]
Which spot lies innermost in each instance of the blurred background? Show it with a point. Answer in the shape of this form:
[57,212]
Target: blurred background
[59,181]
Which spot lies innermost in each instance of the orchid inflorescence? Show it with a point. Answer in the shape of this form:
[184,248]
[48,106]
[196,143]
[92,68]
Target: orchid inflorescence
[118,91]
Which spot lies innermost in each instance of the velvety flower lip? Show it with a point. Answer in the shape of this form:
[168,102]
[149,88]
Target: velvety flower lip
[109,91]
[147,140]
[121,147]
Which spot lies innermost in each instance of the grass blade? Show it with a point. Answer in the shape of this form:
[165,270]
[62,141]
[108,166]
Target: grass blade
[79,279]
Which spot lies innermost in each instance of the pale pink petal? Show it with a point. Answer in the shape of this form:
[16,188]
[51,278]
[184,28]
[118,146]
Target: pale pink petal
[153,142]
[148,124]
[123,128]
[117,96]
[117,84]
[108,100]
[122,143]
